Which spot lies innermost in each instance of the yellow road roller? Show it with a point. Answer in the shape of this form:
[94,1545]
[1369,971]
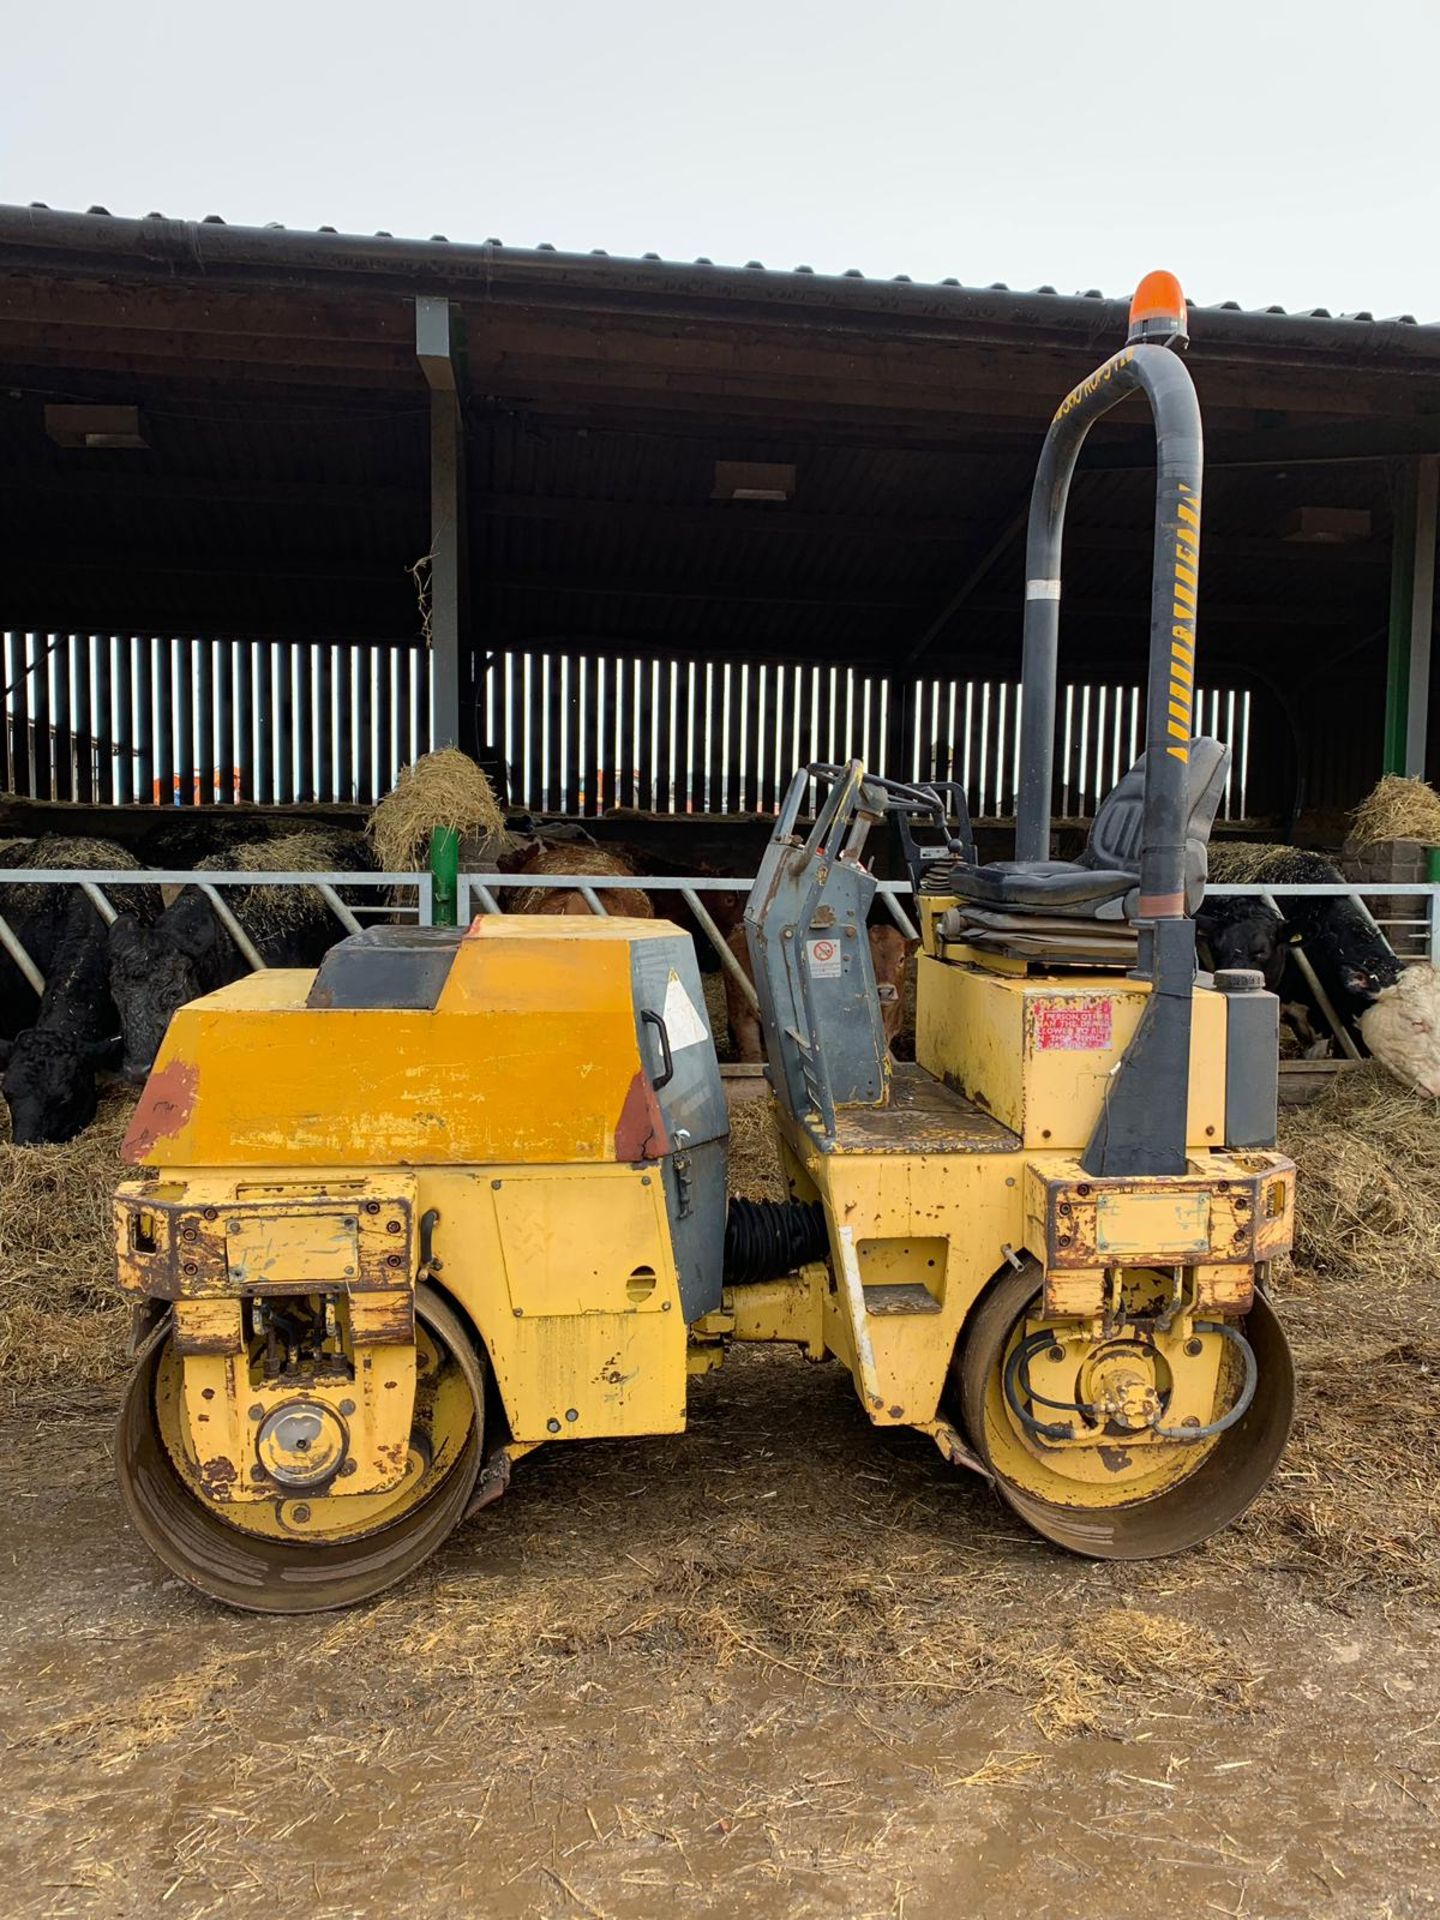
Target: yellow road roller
[461,1193]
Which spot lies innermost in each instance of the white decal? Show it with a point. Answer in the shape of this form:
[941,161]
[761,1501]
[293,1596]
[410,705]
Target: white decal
[824,959]
[682,1022]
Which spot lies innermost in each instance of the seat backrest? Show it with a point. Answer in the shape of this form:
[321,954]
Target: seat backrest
[1118,829]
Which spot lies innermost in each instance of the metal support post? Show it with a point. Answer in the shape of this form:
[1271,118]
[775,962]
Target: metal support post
[435,348]
[900,706]
[1412,600]
[445,875]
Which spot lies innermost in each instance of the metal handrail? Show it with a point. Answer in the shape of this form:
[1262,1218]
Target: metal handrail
[488,885]
[91,881]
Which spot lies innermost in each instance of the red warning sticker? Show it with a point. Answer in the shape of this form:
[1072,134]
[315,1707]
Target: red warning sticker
[1073,1025]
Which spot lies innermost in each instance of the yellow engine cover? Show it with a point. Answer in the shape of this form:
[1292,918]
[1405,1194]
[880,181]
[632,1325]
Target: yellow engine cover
[529,1056]
[508,1141]
[1036,1052]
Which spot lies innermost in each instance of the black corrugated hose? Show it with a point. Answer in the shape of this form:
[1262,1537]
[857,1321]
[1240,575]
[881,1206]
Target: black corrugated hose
[767,1238]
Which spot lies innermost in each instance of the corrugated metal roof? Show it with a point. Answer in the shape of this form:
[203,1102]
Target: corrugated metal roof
[212,252]
[267,509]
[1360,317]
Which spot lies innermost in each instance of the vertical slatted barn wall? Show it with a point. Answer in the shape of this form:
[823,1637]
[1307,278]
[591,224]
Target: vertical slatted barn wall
[969,731]
[582,733]
[193,722]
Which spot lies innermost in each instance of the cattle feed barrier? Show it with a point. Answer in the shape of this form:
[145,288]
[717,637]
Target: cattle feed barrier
[93,880]
[485,889]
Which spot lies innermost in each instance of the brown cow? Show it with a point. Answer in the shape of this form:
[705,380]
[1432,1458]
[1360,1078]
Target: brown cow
[890,955]
[578,856]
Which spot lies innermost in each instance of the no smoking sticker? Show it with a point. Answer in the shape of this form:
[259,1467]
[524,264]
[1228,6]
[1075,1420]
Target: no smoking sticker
[824,959]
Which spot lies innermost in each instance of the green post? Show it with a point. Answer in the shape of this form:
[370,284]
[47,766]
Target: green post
[445,872]
[1402,593]
[1412,603]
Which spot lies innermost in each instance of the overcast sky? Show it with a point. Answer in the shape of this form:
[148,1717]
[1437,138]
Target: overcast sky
[1267,151]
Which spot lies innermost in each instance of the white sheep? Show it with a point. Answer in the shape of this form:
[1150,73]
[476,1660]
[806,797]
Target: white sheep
[1402,1029]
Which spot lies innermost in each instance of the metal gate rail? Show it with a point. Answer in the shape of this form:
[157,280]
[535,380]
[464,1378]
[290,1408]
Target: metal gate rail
[486,888]
[93,880]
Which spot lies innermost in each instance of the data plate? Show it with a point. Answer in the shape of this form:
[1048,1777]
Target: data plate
[1152,1224]
[288,1249]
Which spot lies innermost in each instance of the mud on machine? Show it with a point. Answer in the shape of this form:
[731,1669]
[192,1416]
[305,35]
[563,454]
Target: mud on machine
[457,1195]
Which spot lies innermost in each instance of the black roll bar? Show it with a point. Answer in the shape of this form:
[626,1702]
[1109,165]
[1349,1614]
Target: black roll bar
[1142,1126]
[1164,380]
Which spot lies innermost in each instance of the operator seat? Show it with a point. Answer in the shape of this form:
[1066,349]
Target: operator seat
[1103,884]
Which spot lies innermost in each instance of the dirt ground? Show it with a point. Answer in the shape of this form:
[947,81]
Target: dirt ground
[782,1665]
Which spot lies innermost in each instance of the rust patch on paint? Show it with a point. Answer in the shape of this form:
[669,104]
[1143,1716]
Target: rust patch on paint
[640,1131]
[165,1106]
[218,1477]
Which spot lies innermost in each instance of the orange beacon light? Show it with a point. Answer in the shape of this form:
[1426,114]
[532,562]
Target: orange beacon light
[1157,311]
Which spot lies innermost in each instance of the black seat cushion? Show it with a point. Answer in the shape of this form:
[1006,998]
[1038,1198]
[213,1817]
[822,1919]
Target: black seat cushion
[1098,883]
[1041,886]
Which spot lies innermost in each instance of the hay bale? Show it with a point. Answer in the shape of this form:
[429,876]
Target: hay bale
[81,852]
[578,856]
[1244,863]
[63,1323]
[712,985]
[442,789]
[272,913]
[754,1160]
[1368,1191]
[1398,808]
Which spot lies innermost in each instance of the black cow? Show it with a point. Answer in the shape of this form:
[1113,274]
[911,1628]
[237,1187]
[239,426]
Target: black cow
[1353,961]
[49,1069]
[37,915]
[154,969]
[1240,931]
[186,951]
